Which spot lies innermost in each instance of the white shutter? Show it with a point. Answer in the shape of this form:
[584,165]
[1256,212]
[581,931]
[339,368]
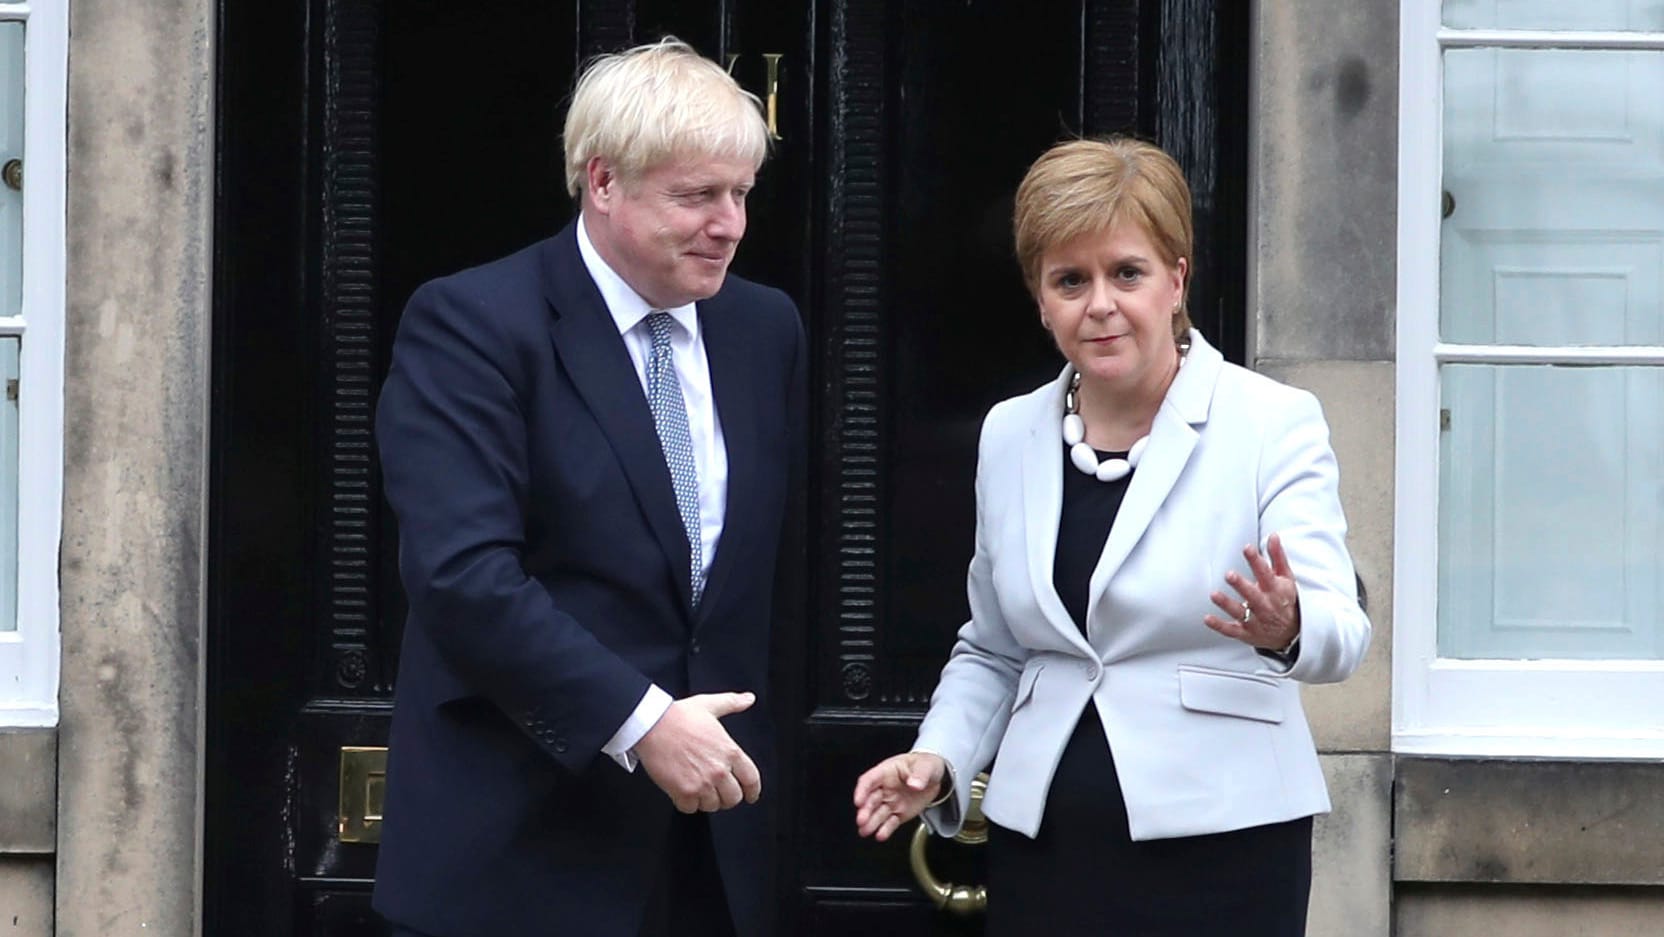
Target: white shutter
[1529,559]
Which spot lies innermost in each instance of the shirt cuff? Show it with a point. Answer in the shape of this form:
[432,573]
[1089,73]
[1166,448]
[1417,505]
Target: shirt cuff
[1285,657]
[649,711]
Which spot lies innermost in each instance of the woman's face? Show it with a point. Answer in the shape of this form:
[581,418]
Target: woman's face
[1109,301]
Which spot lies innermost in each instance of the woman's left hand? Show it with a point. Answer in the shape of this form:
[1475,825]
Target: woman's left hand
[1267,614]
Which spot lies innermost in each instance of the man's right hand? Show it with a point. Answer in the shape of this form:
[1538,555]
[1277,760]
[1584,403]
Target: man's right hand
[691,757]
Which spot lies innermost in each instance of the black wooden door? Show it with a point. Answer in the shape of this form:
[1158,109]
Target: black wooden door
[367,145]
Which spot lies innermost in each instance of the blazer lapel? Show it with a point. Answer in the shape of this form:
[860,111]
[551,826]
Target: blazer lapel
[736,407]
[1173,438]
[1043,505]
[587,342]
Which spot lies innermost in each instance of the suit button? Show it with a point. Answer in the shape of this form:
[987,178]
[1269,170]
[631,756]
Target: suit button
[560,745]
[1091,671]
[693,646]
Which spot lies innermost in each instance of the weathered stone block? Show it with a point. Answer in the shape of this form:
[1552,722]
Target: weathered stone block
[28,791]
[1352,850]
[26,896]
[1489,911]
[1529,822]
[1323,192]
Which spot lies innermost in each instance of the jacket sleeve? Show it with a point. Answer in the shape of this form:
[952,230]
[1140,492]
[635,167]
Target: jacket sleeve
[1299,486]
[452,436]
[971,706]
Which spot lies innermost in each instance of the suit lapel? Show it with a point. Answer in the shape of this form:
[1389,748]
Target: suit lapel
[736,407]
[587,342]
[1043,505]
[1173,438]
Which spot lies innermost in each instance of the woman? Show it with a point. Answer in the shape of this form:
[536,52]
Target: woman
[1132,661]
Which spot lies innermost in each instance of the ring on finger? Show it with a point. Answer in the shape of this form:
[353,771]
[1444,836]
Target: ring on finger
[1247,613]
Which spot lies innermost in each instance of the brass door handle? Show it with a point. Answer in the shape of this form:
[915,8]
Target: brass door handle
[956,899]
[771,95]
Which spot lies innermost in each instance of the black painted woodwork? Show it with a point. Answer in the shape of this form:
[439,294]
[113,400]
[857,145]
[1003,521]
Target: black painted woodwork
[365,146]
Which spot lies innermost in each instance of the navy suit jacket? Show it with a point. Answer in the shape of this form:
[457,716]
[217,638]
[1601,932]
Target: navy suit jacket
[548,577]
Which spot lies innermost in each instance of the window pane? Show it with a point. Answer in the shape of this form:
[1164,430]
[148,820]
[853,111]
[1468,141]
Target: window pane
[11,147]
[8,484]
[1551,513]
[1644,15]
[1554,168]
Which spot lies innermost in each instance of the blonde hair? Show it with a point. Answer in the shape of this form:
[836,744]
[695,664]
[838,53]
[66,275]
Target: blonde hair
[638,108]
[1086,187]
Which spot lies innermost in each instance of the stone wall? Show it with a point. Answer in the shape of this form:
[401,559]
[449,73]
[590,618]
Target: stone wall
[1322,287]
[1322,246]
[140,201]
[1415,847]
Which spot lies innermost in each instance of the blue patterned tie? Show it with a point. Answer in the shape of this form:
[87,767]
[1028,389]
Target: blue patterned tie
[670,417]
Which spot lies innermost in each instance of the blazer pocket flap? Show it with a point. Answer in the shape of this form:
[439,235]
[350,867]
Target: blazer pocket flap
[1228,693]
[1025,685]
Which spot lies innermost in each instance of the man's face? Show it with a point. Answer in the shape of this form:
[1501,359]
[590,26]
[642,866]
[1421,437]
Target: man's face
[672,232]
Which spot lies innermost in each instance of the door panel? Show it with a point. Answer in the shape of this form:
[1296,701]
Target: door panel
[368,146]
[924,324]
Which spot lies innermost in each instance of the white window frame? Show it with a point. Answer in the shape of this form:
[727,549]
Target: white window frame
[29,655]
[1585,709]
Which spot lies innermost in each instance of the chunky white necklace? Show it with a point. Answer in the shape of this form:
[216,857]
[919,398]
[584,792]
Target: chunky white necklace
[1083,455]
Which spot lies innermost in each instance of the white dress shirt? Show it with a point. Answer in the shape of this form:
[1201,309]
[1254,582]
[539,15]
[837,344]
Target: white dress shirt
[710,456]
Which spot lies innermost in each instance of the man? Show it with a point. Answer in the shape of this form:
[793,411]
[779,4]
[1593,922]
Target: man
[590,446]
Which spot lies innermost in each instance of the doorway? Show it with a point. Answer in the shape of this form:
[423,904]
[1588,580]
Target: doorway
[367,146]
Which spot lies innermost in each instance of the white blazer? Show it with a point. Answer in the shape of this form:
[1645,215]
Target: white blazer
[1208,735]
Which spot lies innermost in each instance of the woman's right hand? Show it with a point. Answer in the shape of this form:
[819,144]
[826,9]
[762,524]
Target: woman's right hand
[896,790]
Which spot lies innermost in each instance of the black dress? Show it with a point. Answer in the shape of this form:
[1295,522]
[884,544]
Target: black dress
[1083,876]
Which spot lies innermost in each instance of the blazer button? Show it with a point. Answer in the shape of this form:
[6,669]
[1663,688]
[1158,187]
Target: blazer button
[693,646]
[1091,671]
[560,745]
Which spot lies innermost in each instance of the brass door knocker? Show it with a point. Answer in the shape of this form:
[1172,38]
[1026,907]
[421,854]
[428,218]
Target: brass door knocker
[956,899]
